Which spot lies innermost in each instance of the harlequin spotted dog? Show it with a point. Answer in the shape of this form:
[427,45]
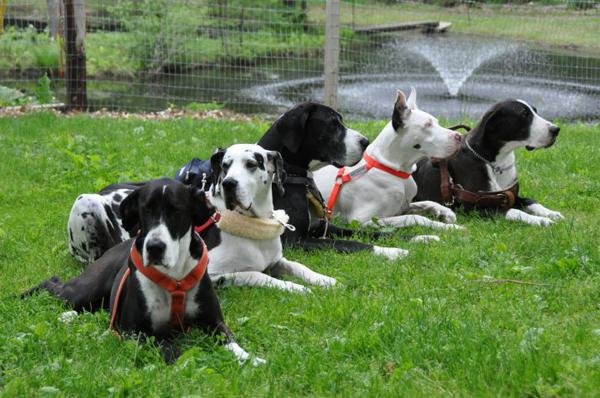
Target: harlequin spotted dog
[156,282]
[483,175]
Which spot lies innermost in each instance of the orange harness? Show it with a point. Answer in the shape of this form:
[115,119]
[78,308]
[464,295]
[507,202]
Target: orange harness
[177,288]
[342,178]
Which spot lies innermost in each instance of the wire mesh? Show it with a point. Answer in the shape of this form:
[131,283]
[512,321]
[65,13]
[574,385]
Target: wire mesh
[262,56]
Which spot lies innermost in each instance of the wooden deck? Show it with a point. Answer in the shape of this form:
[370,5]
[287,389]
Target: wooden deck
[425,26]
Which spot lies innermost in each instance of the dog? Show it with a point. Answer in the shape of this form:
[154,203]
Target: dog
[482,176]
[250,171]
[381,187]
[243,177]
[129,278]
[311,136]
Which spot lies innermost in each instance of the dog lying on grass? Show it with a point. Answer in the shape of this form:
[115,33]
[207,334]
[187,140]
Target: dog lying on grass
[483,174]
[156,282]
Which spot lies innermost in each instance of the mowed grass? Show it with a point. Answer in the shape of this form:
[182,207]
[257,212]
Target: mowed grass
[431,324]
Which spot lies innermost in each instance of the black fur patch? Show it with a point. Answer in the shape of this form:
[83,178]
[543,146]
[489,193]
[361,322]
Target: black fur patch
[260,161]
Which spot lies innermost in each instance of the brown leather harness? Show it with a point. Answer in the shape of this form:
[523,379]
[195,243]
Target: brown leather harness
[453,194]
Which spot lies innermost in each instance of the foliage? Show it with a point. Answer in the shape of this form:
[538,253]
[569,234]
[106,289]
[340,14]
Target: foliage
[433,324]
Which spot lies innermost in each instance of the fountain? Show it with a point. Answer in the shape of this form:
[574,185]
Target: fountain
[456,60]
[456,76]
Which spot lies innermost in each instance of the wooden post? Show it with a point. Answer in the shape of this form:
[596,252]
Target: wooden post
[75,78]
[54,12]
[332,52]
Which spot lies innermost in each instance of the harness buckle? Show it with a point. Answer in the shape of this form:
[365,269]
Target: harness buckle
[503,198]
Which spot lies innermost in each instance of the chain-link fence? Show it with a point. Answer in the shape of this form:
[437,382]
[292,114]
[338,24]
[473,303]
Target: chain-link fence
[262,56]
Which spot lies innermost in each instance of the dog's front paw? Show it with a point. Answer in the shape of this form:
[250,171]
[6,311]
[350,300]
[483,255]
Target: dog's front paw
[456,227]
[296,288]
[256,361]
[554,215]
[392,253]
[447,215]
[67,316]
[325,281]
[425,239]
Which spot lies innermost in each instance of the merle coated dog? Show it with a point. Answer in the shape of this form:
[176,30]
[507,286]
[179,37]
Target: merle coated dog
[163,213]
[310,136]
[482,176]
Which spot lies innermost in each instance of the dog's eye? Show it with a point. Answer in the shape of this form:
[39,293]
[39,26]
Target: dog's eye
[417,146]
[525,112]
[225,166]
[251,165]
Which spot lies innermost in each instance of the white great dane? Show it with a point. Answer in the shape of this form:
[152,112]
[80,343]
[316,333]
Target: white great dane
[380,188]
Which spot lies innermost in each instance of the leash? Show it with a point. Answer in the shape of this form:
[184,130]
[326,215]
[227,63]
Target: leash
[177,288]
[342,178]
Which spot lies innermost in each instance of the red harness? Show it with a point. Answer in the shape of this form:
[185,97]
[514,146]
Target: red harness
[177,288]
[212,220]
[342,178]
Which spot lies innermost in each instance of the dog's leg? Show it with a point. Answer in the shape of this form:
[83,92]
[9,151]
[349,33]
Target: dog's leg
[346,246]
[532,207]
[210,319]
[257,279]
[293,268]
[521,216]
[410,220]
[434,208]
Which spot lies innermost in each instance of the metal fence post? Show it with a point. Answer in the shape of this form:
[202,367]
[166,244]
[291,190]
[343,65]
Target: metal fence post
[75,78]
[332,52]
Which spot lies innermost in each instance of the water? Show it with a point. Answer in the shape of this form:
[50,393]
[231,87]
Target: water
[456,60]
[456,76]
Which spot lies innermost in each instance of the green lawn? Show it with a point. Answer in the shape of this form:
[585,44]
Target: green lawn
[431,324]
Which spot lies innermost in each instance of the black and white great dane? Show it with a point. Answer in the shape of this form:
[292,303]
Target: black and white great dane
[242,182]
[311,136]
[379,190]
[486,164]
[161,215]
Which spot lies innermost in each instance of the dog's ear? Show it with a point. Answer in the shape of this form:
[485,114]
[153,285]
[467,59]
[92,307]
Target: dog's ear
[200,209]
[130,213]
[411,102]
[215,165]
[291,126]
[279,174]
[491,120]
[401,111]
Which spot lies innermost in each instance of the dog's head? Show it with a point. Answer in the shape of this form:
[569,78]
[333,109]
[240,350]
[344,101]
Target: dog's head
[242,178]
[162,213]
[312,135]
[420,131]
[515,123]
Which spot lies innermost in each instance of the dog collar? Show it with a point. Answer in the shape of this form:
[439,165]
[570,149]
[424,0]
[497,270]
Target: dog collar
[495,168]
[177,288]
[211,220]
[342,178]
[253,227]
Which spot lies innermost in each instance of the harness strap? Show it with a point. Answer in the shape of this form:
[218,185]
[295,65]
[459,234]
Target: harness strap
[177,288]
[372,163]
[452,193]
[215,218]
[342,178]
[113,316]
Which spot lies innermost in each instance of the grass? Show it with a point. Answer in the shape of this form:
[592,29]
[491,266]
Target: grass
[427,325]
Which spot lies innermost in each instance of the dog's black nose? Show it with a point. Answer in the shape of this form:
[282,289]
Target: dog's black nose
[554,130]
[364,142]
[155,248]
[229,184]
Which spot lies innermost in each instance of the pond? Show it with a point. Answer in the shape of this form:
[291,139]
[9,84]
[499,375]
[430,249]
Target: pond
[455,75]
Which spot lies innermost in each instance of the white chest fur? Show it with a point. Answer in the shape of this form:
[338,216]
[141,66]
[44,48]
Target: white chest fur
[506,177]
[158,301]
[237,254]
